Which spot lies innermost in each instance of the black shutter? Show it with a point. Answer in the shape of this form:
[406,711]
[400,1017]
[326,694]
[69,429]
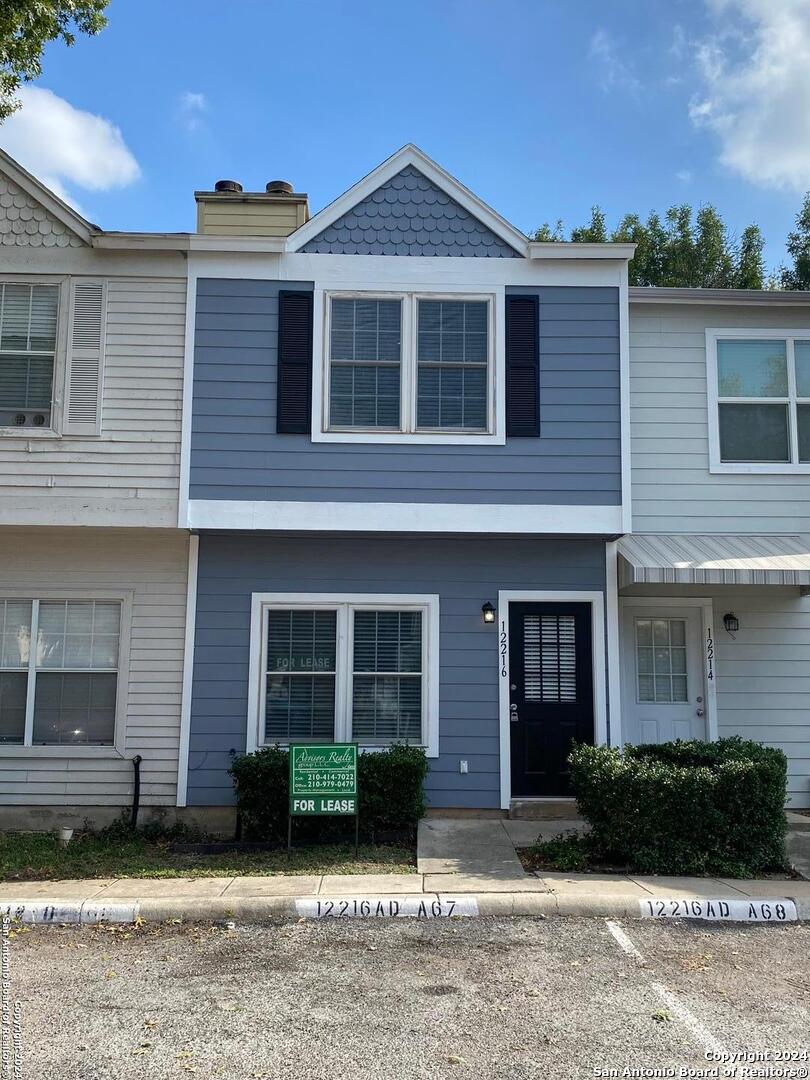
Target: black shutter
[522,366]
[294,383]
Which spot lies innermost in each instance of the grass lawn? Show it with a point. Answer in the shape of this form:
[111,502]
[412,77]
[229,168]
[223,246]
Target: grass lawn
[39,857]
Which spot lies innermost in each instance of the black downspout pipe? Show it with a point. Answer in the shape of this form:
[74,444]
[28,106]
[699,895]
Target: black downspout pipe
[136,794]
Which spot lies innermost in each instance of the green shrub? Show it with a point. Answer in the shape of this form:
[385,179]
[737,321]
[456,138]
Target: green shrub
[567,852]
[684,807]
[390,794]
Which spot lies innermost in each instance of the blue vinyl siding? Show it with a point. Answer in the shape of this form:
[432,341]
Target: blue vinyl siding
[236,453]
[464,573]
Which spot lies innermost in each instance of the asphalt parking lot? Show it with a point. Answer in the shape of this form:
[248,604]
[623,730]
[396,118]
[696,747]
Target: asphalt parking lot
[483,998]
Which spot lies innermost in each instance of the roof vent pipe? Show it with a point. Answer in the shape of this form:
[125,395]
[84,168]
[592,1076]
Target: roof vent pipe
[279,187]
[232,186]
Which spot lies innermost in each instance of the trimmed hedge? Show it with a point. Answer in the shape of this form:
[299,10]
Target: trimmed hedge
[684,807]
[390,793]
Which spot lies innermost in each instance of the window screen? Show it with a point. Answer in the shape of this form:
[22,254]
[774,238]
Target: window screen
[76,671]
[387,677]
[452,364]
[753,400]
[15,641]
[28,318]
[365,357]
[300,677]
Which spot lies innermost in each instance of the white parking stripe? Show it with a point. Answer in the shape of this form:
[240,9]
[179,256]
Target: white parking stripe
[687,1017]
[623,940]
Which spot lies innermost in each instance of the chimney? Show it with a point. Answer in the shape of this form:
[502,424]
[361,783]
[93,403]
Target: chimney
[230,211]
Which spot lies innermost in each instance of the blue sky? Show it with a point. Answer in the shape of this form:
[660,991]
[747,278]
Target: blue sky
[542,108]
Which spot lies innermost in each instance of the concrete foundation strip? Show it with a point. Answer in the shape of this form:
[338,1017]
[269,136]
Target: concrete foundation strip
[414,905]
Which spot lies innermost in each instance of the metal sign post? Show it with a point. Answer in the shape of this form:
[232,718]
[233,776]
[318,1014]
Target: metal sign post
[323,781]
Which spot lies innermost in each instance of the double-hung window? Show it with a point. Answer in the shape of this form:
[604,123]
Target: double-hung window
[409,364]
[338,668]
[28,331]
[759,400]
[59,662]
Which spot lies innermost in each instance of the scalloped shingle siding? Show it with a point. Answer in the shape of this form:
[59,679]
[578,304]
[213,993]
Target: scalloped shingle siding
[24,222]
[409,215]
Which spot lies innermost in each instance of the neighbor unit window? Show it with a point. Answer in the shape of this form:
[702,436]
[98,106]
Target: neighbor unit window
[661,660]
[763,399]
[409,364]
[28,319]
[345,671]
[63,690]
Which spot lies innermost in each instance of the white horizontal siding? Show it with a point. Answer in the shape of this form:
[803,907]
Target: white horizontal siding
[130,475]
[763,673]
[673,490]
[153,566]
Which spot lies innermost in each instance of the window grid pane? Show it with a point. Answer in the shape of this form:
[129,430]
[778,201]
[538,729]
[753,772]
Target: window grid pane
[752,369]
[754,433]
[365,356]
[661,660]
[28,321]
[387,705]
[77,635]
[452,364]
[300,677]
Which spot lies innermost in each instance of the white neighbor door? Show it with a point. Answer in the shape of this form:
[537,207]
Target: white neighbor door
[662,679]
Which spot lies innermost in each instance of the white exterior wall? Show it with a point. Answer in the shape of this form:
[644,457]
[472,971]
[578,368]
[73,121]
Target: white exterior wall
[763,672]
[130,474]
[152,566]
[672,488]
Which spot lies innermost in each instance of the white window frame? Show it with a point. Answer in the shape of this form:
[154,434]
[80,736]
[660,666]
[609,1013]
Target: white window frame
[409,297]
[54,430]
[716,465]
[345,604]
[115,749]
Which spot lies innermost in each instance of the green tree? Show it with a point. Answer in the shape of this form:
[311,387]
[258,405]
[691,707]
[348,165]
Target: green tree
[714,254]
[749,272]
[546,235]
[27,26]
[595,232]
[797,276]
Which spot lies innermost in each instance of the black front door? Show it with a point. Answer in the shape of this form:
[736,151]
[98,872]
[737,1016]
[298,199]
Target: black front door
[550,695]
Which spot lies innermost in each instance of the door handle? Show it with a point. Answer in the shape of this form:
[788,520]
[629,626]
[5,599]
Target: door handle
[513,713]
[699,712]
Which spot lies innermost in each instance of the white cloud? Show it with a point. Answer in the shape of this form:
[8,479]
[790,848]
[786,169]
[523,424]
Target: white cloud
[190,110]
[684,175]
[61,144]
[614,72]
[755,97]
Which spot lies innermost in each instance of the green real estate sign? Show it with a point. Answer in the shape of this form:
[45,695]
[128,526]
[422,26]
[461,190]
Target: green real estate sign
[323,779]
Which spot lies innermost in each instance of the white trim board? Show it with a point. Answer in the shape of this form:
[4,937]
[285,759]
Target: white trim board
[409,155]
[428,602]
[505,597]
[476,518]
[188,669]
[707,645]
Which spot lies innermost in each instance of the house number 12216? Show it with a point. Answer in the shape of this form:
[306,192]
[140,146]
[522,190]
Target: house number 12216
[503,648]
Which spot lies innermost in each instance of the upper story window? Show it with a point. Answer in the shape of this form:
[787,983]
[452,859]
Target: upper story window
[759,400]
[405,364]
[28,331]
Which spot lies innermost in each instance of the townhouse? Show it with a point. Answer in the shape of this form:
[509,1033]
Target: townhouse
[93,569]
[391,472]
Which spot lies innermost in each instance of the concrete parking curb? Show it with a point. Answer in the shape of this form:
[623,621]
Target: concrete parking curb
[260,909]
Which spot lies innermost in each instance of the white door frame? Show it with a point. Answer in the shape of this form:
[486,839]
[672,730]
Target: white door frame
[505,597]
[707,650]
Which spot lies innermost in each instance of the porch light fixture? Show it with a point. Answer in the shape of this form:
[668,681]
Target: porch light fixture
[731,622]
[488,611]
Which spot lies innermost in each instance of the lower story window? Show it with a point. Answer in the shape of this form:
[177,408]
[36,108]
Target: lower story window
[348,671]
[63,690]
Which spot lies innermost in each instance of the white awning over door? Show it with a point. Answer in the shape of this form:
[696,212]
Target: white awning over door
[686,559]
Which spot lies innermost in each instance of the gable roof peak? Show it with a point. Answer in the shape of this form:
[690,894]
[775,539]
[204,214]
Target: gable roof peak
[41,194]
[409,155]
